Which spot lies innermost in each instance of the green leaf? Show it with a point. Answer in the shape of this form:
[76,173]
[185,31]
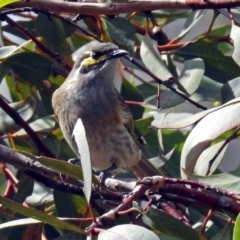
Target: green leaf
[161,222]
[3,71]
[43,217]
[152,59]
[235,36]
[54,35]
[31,67]
[184,122]
[130,93]
[236,231]
[189,79]
[202,164]
[6,51]
[207,130]
[58,165]
[25,189]
[29,25]
[77,205]
[208,90]
[83,150]
[229,181]
[45,125]
[148,89]
[25,109]
[6,2]
[127,231]
[231,90]
[218,67]
[192,19]
[121,31]
[142,125]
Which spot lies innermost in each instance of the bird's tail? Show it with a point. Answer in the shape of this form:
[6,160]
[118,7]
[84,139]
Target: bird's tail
[144,168]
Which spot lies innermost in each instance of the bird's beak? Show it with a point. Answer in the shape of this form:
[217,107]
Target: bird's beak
[117,53]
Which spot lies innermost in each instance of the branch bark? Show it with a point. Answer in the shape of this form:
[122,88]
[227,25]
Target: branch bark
[124,7]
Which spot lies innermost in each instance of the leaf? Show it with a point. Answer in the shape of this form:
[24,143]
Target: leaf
[235,36]
[131,93]
[84,154]
[207,130]
[127,231]
[231,90]
[229,181]
[71,236]
[161,222]
[77,205]
[184,122]
[43,217]
[6,51]
[202,164]
[45,125]
[54,36]
[25,109]
[58,165]
[152,59]
[25,189]
[31,67]
[234,12]
[6,2]
[236,231]
[142,125]
[190,79]
[148,89]
[218,67]
[121,31]
[192,19]
[208,90]
[3,71]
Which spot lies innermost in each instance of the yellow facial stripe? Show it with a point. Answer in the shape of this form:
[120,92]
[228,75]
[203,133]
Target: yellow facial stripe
[87,62]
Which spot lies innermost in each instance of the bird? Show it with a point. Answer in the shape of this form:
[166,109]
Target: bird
[89,93]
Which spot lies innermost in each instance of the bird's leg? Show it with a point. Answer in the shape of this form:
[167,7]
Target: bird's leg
[74,161]
[102,175]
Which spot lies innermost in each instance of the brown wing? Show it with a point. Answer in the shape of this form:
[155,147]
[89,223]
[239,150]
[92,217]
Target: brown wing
[126,115]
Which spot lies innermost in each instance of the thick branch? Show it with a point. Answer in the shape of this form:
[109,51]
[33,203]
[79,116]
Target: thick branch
[125,7]
[19,161]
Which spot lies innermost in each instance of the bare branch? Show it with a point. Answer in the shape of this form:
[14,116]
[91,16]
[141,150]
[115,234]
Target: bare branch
[125,7]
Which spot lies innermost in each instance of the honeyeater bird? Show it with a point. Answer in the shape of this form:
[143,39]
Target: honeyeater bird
[89,93]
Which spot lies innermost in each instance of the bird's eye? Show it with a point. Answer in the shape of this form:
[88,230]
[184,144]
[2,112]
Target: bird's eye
[96,55]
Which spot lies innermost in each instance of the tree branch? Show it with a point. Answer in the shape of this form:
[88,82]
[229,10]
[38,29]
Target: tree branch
[124,7]
[19,120]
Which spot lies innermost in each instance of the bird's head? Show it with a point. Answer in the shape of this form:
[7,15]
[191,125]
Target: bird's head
[98,62]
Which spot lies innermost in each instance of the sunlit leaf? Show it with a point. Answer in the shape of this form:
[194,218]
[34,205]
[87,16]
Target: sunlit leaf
[152,59]
[231,90]
[79,135]
[235,36]
[206,131]
[127,231]
[6,2]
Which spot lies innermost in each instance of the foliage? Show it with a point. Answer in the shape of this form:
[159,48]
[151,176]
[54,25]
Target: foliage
[38,48]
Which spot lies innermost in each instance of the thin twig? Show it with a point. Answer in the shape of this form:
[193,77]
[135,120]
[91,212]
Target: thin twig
[19,120]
